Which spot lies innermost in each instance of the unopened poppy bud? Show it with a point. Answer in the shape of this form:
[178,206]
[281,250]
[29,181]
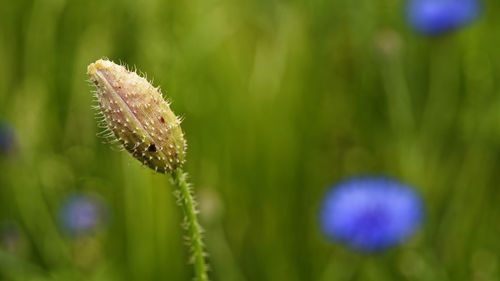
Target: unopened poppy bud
[138,116]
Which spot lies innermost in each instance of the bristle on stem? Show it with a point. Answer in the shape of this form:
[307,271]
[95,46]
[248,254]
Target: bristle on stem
[186,201]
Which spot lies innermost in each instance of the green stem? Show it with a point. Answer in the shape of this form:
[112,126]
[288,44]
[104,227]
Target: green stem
[193,227]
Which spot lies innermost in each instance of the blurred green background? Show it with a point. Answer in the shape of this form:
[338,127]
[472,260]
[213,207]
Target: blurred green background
[280,99]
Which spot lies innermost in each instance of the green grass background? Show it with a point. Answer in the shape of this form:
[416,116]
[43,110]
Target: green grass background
[280,99]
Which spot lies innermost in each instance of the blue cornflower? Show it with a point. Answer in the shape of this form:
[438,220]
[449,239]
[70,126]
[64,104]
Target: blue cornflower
[7,138]
[81,214]
[370,213]
[434,17]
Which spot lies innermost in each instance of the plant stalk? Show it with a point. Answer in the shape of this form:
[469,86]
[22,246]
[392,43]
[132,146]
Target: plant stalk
[191,222]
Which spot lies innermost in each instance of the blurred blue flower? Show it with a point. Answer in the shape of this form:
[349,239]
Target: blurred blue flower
[81,214]
[10,236]
[434,17]
[7,138]
[370,213]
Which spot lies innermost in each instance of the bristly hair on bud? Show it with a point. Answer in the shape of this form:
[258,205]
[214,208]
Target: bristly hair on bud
[138,117]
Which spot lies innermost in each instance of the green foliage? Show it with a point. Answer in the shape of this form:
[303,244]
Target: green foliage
[280,99]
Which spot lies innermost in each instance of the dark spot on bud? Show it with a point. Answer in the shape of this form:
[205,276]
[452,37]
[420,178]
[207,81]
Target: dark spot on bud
[162,119]
[152,148]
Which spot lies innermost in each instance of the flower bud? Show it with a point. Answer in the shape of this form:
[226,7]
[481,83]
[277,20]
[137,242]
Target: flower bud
[138,116]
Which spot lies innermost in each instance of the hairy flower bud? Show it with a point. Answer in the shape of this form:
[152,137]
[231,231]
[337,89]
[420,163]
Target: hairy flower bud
[138,116]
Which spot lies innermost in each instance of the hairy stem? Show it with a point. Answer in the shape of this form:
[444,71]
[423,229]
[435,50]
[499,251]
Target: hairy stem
[194,230]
